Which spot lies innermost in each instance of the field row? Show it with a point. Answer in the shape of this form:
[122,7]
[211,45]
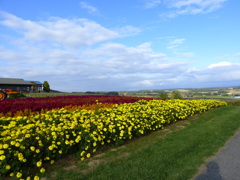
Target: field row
[14,107]
[28,143]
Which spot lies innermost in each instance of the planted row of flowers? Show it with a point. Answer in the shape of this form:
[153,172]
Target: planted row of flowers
[9,107]
[28,143]
[71,108]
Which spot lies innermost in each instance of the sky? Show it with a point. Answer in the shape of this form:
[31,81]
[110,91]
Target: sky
[127,45]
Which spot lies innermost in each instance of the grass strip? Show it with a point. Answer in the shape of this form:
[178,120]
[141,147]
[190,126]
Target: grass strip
[176,156]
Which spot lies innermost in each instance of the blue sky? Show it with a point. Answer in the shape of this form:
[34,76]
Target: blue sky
[121,45]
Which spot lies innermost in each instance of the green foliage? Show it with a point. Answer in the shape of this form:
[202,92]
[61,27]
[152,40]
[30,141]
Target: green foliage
[176,95]
[89,92]
[15,96]
[163,96]
[112,93]
[234,102]
[46,86]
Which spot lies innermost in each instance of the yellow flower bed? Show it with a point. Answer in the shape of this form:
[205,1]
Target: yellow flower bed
[27,143]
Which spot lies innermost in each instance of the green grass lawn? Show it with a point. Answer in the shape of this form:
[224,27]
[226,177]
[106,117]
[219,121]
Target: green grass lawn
[176,152]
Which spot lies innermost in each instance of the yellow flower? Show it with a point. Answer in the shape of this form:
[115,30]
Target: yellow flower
[88,155]
[5,146]
[12,142]
[32,148]
[19,175]
[36,178]
[42,170]
[50,148]
[8,167]
[39,163]
[82,153]
[52,162]
[27,135]
[37,150]
[2,157]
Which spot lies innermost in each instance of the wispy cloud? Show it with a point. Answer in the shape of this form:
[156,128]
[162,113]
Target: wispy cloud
[128,31]
[192,7]
[91,9]
[175,43]
[151,3]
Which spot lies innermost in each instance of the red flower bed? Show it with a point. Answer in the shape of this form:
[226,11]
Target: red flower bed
[48,103]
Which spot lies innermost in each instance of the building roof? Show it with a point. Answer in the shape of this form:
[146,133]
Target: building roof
[14,81]
[35,82]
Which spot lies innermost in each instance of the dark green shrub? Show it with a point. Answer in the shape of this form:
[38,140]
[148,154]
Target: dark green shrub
[14,96]
[163,96]
[235,102]
[46,86]
[176,95]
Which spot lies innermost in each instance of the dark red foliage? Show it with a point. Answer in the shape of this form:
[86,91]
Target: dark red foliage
[36,104]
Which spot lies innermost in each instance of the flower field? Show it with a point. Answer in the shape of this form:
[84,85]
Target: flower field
[27,106]
[29,143]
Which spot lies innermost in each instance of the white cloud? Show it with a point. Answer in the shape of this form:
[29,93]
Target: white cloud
[221,64]
[185,7]
[113,66]
[89,8]
[104,66]
[222,72]
[146,83]
[128,31]
[110,66]
[175,43]
[71,33]
[152,3]
[120,59]
[68,32]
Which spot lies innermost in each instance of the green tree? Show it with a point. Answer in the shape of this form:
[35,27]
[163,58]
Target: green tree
[46,86]
[176,95]
[163,96]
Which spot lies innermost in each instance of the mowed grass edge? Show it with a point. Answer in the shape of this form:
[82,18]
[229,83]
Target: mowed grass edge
[161,155]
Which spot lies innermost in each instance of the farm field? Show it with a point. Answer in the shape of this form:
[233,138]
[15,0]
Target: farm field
[33,138]
[177,152]
[23,106]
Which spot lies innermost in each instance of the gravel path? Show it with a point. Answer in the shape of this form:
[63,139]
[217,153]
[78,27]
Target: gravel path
[225,165]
